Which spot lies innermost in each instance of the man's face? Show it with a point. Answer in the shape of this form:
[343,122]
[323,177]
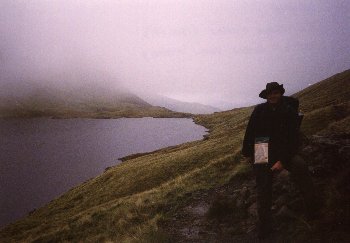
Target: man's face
[274,96]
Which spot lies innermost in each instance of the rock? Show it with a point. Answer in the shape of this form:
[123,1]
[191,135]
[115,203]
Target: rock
[239,203]
[285,188]
[285,212]
[281,200]
[283,175]
[251,199]
[319,171]
[253,209]
[344,153]
[245,192]
[235,197]
[277,187]
[309,149]
[296,205]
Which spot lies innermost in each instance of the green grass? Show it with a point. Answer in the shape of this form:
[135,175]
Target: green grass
[331,91]
[129,202]
[320,118]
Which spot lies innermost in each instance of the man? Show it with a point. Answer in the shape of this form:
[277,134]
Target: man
[271,144]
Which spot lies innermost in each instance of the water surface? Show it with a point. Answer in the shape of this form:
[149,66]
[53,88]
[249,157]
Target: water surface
[42,158]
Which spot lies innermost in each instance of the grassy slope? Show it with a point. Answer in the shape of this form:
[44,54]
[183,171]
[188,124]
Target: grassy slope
[122,110]
[325,102]
[131,200]
[80,103]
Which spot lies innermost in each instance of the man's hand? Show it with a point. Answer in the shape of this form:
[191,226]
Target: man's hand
[277,166]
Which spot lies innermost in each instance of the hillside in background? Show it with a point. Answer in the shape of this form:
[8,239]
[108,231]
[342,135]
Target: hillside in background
[203,191]
[179,106]
[85,101]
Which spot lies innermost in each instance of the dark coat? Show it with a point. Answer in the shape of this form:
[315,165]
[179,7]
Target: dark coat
[280,124]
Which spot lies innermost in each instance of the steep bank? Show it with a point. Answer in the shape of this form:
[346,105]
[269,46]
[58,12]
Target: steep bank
[138,199]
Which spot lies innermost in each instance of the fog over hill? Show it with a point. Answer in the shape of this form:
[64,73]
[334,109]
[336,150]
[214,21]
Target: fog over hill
[178,105]
[219,53]
[73,93]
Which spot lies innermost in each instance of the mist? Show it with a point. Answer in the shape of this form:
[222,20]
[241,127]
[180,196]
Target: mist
[219,53]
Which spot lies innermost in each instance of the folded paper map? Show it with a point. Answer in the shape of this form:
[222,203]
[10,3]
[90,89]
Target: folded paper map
[261,150]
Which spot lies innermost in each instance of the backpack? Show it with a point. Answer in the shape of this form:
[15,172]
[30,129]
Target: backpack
[293,104]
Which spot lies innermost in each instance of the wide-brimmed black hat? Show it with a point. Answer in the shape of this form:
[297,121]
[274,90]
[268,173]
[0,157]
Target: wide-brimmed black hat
[269,87]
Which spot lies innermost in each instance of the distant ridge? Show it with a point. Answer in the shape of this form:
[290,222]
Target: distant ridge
[94,102]
[177,105]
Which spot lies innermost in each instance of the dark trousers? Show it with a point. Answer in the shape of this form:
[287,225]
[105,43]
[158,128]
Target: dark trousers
[299,174]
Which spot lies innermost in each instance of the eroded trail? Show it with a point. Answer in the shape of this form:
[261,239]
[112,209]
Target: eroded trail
[228,213]
[224,214]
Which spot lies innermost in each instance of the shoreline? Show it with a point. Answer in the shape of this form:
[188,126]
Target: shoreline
[121,160]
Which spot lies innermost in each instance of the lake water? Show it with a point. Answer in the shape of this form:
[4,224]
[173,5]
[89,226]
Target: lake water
[42,158]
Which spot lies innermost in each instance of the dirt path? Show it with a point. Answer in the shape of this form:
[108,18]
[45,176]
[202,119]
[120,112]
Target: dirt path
[224,214]
[228,213]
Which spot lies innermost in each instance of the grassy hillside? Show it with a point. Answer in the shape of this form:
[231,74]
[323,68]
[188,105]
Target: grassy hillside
[325,102]
[132,201]
[91,102]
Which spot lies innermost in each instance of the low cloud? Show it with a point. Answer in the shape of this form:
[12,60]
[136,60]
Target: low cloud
[219,53]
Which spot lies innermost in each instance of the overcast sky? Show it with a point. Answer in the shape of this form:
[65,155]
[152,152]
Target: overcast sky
[215,52]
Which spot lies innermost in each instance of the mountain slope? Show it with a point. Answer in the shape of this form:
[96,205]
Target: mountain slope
[333,90]
[180,106]
[137,200]
[90,101]
[325,102]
